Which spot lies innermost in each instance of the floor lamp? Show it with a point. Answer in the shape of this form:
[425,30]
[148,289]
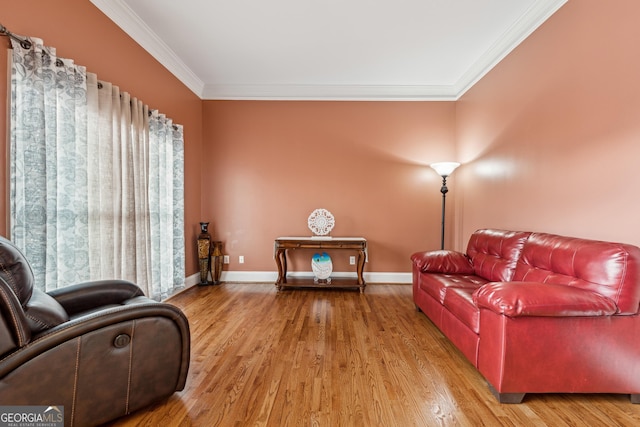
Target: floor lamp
[444,169]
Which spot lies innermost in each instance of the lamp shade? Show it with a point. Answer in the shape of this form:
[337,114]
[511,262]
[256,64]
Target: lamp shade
[444,169]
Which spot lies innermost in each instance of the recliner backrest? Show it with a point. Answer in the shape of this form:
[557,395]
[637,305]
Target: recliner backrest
[16,271]
[25,310]
[14,329]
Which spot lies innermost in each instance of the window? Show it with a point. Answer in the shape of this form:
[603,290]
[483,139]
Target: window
[96,178]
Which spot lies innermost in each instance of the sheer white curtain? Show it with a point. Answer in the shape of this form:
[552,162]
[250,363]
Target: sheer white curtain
[48,146]
[166,191]
[96,178]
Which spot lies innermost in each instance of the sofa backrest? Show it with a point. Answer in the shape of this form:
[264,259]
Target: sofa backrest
[610,269]
[494,253]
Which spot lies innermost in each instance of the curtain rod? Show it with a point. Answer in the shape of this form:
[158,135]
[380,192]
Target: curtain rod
[26,44]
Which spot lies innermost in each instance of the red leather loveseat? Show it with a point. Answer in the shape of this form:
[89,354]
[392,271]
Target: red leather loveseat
[538,313]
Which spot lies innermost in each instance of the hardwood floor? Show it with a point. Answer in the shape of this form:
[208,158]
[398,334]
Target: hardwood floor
[341,358]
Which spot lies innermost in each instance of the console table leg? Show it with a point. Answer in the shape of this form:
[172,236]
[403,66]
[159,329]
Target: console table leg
[281,263]
[284,266]
[362,257]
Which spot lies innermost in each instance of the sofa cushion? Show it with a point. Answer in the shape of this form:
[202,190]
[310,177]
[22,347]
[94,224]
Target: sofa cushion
[515,299]
[451,262]
[606,268]
[436,285]
[459,302]
[494,253]
[40,310]
[16,271]
[43,312]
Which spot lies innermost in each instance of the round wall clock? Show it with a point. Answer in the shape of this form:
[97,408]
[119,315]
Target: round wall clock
[321,222]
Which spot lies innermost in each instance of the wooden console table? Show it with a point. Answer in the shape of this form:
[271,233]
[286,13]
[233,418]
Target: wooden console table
[283,244]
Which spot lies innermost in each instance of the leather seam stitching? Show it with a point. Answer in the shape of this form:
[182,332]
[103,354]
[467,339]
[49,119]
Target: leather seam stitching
[75,381]
[38,321]
[12,280]
[21,335]
[133,330]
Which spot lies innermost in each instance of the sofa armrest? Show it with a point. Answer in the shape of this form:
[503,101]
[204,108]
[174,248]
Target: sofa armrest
[450,262]
[518,299]
[86,296]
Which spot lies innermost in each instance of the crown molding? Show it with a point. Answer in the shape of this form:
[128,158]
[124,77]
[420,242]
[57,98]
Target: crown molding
[537,14]
[122,15]
[329,92]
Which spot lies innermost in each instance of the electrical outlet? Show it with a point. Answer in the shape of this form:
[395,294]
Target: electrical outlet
[241,259]
[225,259]
[352,260]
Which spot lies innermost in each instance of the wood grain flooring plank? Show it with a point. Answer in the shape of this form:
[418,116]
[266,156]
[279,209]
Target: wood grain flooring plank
[324,357]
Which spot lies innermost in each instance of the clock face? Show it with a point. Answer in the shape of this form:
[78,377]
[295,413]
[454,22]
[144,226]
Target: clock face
[321,222]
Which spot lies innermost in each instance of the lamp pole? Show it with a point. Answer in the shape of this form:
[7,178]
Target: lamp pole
[444,191]
[444,169]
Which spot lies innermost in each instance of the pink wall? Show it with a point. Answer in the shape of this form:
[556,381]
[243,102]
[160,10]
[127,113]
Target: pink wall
[80,31]
[268,165]
[550,138]
[549,141]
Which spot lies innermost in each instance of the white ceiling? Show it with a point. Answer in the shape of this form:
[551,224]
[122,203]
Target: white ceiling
[329,49]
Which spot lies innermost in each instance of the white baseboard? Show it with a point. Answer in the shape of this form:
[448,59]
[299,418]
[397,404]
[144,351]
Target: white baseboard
[192,280]
[272,276]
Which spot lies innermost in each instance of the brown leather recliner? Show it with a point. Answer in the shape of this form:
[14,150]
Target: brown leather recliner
[99,349]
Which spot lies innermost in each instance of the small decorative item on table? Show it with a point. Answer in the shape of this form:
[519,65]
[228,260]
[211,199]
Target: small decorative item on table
[204,253]
[322,268]
[321,222]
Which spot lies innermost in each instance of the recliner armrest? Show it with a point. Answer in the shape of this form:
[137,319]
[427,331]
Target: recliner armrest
[101,320]
[86,296]
[518,299]
[442,261]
